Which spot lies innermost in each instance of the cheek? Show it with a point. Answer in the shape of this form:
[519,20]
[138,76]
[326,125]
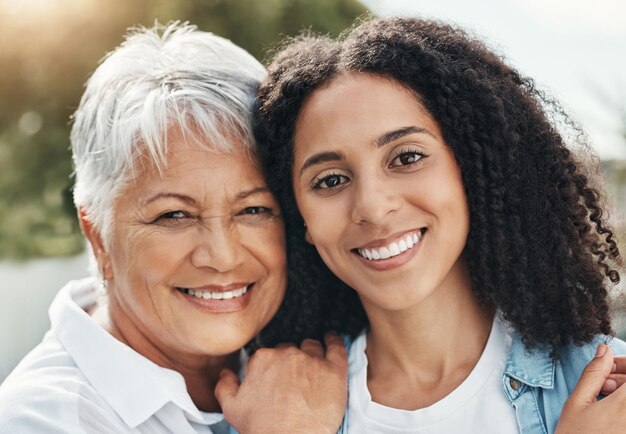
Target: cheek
[267,255]
[456,201]
[267,245]
[150,258]
[325,217]
[451,209]
[441,192]
[273,257]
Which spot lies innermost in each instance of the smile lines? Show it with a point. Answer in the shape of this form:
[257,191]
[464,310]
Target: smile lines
[395,248]
[216,295]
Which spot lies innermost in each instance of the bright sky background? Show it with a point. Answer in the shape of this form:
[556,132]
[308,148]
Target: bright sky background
[574,49]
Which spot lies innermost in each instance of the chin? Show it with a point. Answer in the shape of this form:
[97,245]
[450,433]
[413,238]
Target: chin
[225,346]
[215,339]
[399,300]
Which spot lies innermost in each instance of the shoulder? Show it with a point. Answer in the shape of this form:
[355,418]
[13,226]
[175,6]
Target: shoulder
[574,358]
[617,345]
[52,409]
[48,393]
[584,353]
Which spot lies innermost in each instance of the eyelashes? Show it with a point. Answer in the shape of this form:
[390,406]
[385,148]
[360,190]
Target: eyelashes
[173,219]
[253,215]
[405,158]
[329,181]
[250,215]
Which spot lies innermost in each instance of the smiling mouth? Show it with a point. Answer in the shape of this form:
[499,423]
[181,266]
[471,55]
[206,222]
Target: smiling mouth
[217,295]
[395,248]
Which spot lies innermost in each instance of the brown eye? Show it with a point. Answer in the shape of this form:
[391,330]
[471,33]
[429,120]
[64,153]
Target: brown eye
[173,219]
[406,158]
[254,210]
[330,182]
[253,215]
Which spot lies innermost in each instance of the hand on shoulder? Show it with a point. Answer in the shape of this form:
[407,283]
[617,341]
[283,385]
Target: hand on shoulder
[583,412]
[288,389]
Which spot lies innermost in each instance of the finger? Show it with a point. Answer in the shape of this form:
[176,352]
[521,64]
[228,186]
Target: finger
[619,379]
[620,365]
[610,386]
[613,383]
[593,377]
[336,350]
[312,347]
[226,388]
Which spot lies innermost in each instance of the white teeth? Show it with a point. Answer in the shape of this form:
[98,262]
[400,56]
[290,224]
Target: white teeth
[393,249]
[402,245]
[216,295]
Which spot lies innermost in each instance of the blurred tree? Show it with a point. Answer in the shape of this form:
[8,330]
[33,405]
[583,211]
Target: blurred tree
[48,48]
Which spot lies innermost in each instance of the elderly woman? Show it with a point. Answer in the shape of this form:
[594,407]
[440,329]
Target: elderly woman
[188,242]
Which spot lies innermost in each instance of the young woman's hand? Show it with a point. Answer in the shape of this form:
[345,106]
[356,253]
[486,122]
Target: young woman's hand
[288,389]
[583,412]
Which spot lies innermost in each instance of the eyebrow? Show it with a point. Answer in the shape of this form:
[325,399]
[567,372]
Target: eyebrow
[182,197]
[256,190]
[324,157]
[399,133]
[190,200]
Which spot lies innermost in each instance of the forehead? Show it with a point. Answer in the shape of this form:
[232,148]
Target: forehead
[189,168]
[358,106]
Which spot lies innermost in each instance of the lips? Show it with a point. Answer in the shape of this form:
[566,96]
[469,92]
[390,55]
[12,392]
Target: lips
[389,249]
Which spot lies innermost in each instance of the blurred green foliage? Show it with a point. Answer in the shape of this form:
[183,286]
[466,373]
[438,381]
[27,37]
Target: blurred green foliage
[48,48]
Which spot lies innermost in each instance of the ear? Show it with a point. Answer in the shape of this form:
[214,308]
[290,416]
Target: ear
[97,245]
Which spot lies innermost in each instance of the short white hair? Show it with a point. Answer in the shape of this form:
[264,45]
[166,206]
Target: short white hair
[158,78]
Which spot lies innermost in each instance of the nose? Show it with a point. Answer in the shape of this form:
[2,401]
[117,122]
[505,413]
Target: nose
[373,200]
[218,246]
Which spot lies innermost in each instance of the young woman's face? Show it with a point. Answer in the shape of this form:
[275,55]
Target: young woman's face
[379,190]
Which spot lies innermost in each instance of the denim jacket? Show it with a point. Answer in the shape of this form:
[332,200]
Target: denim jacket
[536,385]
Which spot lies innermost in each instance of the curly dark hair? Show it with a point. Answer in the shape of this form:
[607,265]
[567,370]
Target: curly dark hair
[539,249]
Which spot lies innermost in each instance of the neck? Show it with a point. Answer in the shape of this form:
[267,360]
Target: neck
[434,344]
[200,372]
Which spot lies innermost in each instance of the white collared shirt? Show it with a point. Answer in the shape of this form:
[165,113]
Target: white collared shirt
[80,379]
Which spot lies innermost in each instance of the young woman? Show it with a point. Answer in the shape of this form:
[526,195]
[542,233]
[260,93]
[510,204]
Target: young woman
[432,180]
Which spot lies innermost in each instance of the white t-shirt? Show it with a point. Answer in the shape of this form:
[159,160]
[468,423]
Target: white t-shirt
[81,379]
[477,405]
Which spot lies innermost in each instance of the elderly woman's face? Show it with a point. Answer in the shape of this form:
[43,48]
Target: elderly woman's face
[197,256]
